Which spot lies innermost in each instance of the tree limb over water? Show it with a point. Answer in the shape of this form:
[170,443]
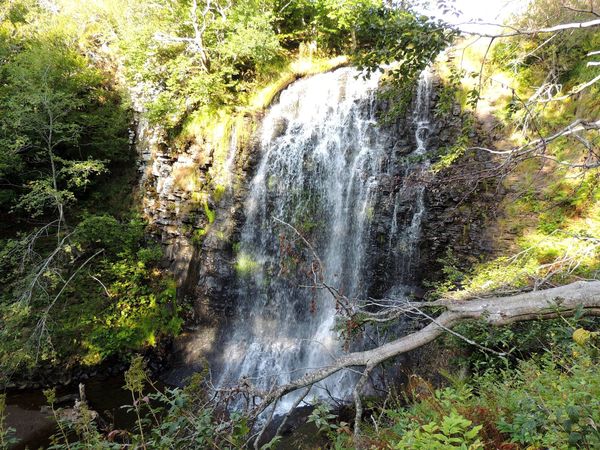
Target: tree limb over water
[582,297]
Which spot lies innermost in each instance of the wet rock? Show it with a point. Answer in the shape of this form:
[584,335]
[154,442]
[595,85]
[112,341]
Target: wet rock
[32,427]
[204,265]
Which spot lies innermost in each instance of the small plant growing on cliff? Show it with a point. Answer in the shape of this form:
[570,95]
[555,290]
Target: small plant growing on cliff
[452,276]
[449,91]
[198,236]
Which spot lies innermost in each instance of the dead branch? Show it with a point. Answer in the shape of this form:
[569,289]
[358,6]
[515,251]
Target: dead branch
[357,397]
[517,32]
[576,90]
[582,297]
[40,328]
[537,147]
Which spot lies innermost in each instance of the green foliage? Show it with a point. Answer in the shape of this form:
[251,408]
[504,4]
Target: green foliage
[143,309]
[449,155]
[185,71]
[7,438]
[452,276]
[449,91]
[558,409]
[198,236]
[327,423]
[119,301]
[550,402]
[518,342]
[330,24]
[453,432]
[79,423]
[62,122]
[388,35]
[107,232]
[399,95]
[321,416]
[404,41]
[135,376]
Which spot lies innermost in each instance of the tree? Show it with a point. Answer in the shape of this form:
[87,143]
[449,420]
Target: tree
[197,56]
[56,126]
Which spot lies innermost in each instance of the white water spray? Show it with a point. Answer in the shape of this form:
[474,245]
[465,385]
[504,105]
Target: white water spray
[323,158]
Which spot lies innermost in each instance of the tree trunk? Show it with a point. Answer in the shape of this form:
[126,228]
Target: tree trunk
[565,301]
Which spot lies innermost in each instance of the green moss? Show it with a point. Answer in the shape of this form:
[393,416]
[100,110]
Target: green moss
[245,265]
[210,214]
[198,236]
[219,192]
[295,69]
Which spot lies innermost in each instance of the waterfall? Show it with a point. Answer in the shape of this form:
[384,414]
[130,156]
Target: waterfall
[323,158]
[421,121]
[409,237]
[421,112]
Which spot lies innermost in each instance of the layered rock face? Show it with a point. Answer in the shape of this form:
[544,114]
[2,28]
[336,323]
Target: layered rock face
[359,190]
[193,212]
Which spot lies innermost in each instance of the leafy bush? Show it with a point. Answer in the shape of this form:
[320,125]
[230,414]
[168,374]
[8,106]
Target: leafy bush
[454,432]
[545,402]
[106,232]
[116,302]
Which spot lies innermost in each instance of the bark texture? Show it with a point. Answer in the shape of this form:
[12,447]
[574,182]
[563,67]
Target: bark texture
[583,296]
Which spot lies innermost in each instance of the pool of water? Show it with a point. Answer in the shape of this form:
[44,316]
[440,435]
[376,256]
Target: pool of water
[34,427]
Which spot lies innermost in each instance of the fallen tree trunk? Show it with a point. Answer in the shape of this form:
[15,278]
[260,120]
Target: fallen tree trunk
[565,301]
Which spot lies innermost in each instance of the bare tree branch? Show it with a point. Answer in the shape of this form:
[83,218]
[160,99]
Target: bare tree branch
[537,147]
[579,10]
[577,89]
[580,297]
[554,29]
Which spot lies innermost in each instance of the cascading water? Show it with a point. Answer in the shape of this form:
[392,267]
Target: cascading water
[408,238]
[231,154]
[421,120]
[421,114]
[322,162]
